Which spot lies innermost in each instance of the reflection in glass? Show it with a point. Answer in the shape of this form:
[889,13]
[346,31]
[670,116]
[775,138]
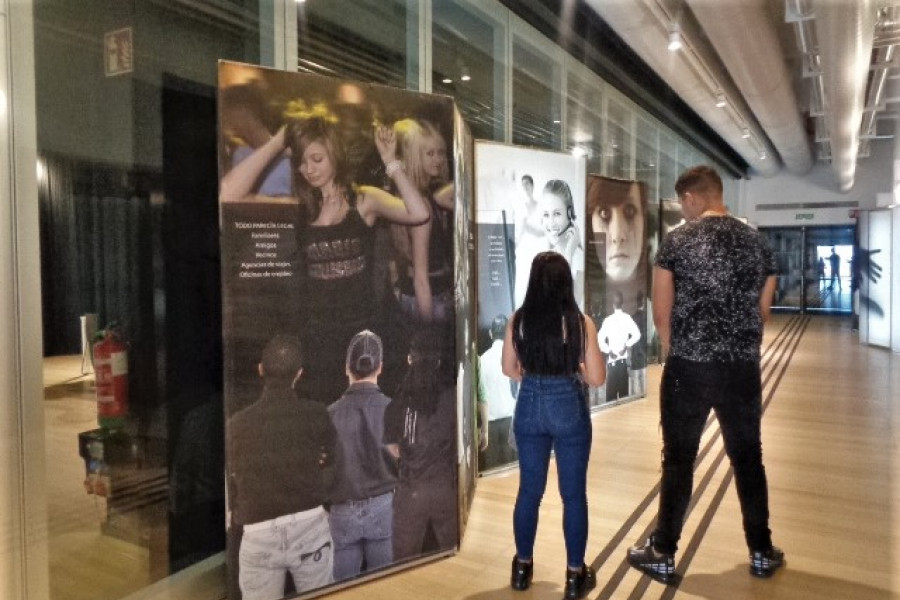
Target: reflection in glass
[468,65]
[536,98]
[618,141]
[367,42]
[584,122]
[129,259]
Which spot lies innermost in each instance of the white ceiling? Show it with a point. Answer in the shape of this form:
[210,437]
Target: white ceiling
[766,58]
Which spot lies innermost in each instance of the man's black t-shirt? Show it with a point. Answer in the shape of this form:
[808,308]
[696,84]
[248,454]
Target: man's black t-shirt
[719,266]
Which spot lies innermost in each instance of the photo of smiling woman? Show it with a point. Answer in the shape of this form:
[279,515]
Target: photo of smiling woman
[616,262]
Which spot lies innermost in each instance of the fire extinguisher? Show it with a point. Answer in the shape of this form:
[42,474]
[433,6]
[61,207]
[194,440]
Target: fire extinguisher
[111,376]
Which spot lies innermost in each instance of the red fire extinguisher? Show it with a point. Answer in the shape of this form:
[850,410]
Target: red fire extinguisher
[111,375]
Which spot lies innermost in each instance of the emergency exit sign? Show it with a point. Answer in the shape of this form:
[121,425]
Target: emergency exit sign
[804,216]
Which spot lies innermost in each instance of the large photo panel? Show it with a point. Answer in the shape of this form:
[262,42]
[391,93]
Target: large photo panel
[527,201]
[617,274]
[337,215]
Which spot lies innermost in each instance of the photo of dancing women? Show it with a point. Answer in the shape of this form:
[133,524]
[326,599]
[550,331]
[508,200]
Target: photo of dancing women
[337,221]
[339,264]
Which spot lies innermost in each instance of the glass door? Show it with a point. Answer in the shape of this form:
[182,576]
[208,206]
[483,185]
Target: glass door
[815,268]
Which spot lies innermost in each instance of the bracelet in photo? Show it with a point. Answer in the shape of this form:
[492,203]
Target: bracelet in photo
[392,167]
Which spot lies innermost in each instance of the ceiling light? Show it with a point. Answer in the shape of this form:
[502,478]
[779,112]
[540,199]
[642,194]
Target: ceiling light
[674,38]
[447,80]
[720,100]
[745,133]
[465,78]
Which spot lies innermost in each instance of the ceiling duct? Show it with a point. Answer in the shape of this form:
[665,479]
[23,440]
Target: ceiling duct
[761,75]
[845,31]
[693,72]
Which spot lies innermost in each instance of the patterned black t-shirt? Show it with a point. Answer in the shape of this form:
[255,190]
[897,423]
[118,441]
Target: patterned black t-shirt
[719,267]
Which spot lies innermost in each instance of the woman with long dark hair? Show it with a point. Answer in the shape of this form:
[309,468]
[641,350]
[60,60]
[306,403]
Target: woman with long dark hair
[420,432]
[551,348]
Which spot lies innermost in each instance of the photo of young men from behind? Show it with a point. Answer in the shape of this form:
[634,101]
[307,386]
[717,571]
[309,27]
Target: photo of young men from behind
[362,511]
[280,451]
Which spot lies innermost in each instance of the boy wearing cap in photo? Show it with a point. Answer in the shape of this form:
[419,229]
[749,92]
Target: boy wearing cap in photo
[362,499]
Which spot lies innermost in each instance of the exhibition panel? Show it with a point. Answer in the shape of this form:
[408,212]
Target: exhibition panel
[338,231]
[527,201]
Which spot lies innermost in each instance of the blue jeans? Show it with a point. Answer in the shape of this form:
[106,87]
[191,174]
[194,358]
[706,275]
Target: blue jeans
[551,414]
[298,543]
[362,529]
[734,391]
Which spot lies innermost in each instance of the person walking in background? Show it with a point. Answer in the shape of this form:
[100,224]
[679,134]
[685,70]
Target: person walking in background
[362,512]
[834,261]
[618,333]
[551,348]
[712,290]
[279,456]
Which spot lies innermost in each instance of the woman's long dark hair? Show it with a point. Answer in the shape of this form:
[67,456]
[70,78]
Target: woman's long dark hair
[431,369]
[548,332]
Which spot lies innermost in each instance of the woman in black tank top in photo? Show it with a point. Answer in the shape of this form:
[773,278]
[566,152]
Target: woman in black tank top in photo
[425,252]
[335,238]
[551,348]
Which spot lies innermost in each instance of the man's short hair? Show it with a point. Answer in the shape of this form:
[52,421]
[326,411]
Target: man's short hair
[498,327]
[282,358]
[702,180]
[527,179]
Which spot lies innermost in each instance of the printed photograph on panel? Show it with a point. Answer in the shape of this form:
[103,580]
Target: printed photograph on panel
[527,201]
[617,276]
[337,231]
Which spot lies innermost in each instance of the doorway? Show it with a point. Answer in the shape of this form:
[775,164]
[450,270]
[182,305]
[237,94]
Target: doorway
[815,268]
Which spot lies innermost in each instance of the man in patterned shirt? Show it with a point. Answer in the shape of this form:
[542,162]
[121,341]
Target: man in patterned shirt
[712,289]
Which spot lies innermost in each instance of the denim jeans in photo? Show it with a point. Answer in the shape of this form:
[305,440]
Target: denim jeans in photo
[362,529]
[298,543]
[551,414]
[734,391]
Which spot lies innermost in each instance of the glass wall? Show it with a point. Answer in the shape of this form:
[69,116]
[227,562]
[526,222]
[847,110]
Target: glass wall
[469,62]
[126,137]
[126,140]
[375,42]
[536,93]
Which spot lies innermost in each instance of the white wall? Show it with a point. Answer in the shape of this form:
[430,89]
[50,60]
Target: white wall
[874,175]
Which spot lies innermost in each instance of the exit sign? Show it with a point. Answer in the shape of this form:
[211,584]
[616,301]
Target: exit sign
[804,216]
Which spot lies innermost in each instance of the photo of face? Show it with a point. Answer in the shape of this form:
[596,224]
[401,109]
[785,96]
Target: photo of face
[434,156]
[554,216]
[316,165]
[622,220]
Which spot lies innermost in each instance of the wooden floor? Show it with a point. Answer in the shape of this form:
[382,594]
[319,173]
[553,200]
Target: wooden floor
[830,443]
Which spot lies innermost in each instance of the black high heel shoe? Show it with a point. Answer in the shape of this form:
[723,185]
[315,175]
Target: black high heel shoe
[579,583]
[521,574]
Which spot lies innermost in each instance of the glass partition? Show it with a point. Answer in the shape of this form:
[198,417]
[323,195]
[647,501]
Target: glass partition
[584,119]
[536,95]
[619,139]
[468,49]
[373,42]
